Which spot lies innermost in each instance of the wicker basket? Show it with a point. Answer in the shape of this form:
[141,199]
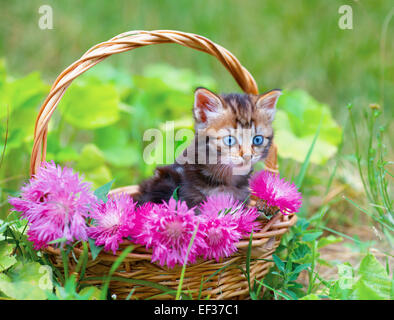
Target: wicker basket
[224,282]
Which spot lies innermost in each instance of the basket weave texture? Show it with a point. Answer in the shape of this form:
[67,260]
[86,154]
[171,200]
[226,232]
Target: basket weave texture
[218,280]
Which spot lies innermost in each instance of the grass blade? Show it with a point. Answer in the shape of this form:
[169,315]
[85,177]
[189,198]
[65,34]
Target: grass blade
[175,194]
[248,255]
[369,214]
[275,291]
[65,263]
[178,293]
[200,289]
[83,260]
[305,165]
[6,135]
[219,270]
[339,152]
[114,266]
[342,234]
[140,282]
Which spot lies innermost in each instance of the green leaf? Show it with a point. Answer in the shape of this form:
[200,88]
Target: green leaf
[88,104]
[300,253]
[98,176]
[302,223]
[109,137]
[21,98]
[301,267]
[60,240]
[67,154]
[373,282]
[125,156]
[346,276]
[324,262]
[311,236]
[279,263]
[115,145]
[101,193]
[325,241]
[310,296]
[92,164]
[175,194]
[91,157]
[343,287]
[291,293]
[22,93]
[90,293]
[28,281]
[296,123]
[275,291]
[106,73]
[7,259]
[183,80]
[5,225]
[95,250]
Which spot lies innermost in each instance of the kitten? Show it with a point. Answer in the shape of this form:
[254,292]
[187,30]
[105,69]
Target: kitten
[233,132]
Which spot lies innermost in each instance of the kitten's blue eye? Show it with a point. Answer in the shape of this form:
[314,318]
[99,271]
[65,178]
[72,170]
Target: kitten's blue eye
[229,140]
[258,140]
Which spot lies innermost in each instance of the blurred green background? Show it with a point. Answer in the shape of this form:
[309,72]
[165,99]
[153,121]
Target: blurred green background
[292,45]
[296,46]
[341,79]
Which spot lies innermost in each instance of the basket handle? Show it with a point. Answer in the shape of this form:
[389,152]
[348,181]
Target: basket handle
[125,42]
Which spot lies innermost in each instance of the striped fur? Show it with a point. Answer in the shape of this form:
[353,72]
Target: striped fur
[225,169]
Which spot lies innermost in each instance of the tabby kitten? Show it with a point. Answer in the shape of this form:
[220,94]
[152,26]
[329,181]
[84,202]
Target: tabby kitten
[232,133]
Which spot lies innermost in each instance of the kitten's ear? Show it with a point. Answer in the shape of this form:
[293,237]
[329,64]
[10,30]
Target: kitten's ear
[207,105]
[267,103]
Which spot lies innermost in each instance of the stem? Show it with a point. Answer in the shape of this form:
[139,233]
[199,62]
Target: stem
[330,180]
[17,242]
[358,157]
[310,273]
[179,290]
[65,263]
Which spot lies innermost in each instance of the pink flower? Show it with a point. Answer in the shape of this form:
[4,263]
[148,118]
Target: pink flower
[220,204]
[141,231]
[276,192]
[221,235]
[225,221]
[114,221]
[56,203]
[168,229]
[224,204]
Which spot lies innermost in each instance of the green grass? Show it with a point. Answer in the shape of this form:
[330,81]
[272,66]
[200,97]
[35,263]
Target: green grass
[297,45]
[293,46]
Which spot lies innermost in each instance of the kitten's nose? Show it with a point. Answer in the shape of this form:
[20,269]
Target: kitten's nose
[245,154]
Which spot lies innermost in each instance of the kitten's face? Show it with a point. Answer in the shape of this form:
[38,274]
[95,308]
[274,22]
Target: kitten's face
[239,126]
